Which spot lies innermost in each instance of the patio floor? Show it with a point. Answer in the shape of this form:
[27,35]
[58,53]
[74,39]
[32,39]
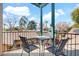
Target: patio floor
[33,53]
[18,52]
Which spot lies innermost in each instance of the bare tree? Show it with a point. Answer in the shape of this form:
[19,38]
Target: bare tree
[11,21]
[62,26]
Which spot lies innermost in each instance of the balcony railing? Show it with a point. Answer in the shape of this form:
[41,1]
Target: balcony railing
[71,48]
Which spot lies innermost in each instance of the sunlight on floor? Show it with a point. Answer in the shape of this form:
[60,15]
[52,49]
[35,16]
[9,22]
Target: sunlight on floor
[33,53]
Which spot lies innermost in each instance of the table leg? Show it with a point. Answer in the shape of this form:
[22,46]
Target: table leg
[42,47]
[39,48]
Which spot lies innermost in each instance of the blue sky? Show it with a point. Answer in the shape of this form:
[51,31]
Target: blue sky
[65,10]
[16,10]
[28,11]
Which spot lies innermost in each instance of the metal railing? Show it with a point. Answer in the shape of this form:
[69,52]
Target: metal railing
[70,49]
[10,37]
[72,46]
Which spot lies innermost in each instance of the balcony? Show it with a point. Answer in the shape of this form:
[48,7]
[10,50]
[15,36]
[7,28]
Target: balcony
[70,49]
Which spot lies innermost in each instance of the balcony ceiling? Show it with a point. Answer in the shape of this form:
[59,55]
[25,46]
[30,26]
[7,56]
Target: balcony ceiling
[40,4]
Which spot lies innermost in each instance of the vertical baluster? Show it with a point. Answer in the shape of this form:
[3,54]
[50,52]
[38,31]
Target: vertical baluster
[71,45]
[10,38]
[67,43]
[13,39]
[7,40]
[75,44]
[4,41]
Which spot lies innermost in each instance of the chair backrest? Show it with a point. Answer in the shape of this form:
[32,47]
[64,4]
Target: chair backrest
[23,40]
[63,43]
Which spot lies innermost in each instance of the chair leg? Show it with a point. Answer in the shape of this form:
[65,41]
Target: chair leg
[63,54]
[39,51]
[44,51]
[60,53]
[22,52]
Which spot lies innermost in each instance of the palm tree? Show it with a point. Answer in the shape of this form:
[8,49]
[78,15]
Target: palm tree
[23,22]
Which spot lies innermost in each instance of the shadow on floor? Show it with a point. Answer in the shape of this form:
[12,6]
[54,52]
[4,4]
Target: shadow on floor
[72,52]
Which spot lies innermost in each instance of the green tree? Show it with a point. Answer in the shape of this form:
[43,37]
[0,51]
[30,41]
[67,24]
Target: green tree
[75,15]
[16,28]
[23,23]
[76,25]
[31,25]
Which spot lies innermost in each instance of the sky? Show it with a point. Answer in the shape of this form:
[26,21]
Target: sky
[63,12]
[17,10]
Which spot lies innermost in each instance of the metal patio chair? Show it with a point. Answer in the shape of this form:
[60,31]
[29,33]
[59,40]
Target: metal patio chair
[26,46]
[58,50]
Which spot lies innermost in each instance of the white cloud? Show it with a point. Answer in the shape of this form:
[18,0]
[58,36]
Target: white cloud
[56,14]
[4,16]
[47,16]
[20,11]
[59,12]
[32,18]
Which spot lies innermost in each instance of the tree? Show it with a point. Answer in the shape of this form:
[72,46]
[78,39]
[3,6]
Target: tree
[45,27]
[23,23]
[75,25]
[75,15]
[46,22]
[31,25]
[4,27]
[62,26]
[11,21]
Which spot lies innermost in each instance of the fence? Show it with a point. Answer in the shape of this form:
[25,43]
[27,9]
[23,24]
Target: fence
[71,48]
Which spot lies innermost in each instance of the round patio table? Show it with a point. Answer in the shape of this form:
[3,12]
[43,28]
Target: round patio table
[42,38]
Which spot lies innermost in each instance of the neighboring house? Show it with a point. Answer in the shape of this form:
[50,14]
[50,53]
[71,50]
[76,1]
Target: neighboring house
[74,30]
[75,38]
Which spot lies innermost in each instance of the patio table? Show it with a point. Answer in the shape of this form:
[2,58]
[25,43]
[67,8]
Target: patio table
[42,38]
[41,45]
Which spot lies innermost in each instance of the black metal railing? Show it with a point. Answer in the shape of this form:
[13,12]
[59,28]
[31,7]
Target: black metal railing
[10,37]
[70,49]
[72,46]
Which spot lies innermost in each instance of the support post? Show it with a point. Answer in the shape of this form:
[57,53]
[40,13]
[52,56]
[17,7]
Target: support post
[41,22]
[53,22]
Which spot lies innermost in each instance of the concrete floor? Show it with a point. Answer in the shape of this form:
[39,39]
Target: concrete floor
[33,53]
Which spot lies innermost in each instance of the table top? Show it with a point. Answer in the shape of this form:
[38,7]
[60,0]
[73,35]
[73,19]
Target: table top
[43,37]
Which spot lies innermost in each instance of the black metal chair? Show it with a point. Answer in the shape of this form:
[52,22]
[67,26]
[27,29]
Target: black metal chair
[26,46]
[58,50]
